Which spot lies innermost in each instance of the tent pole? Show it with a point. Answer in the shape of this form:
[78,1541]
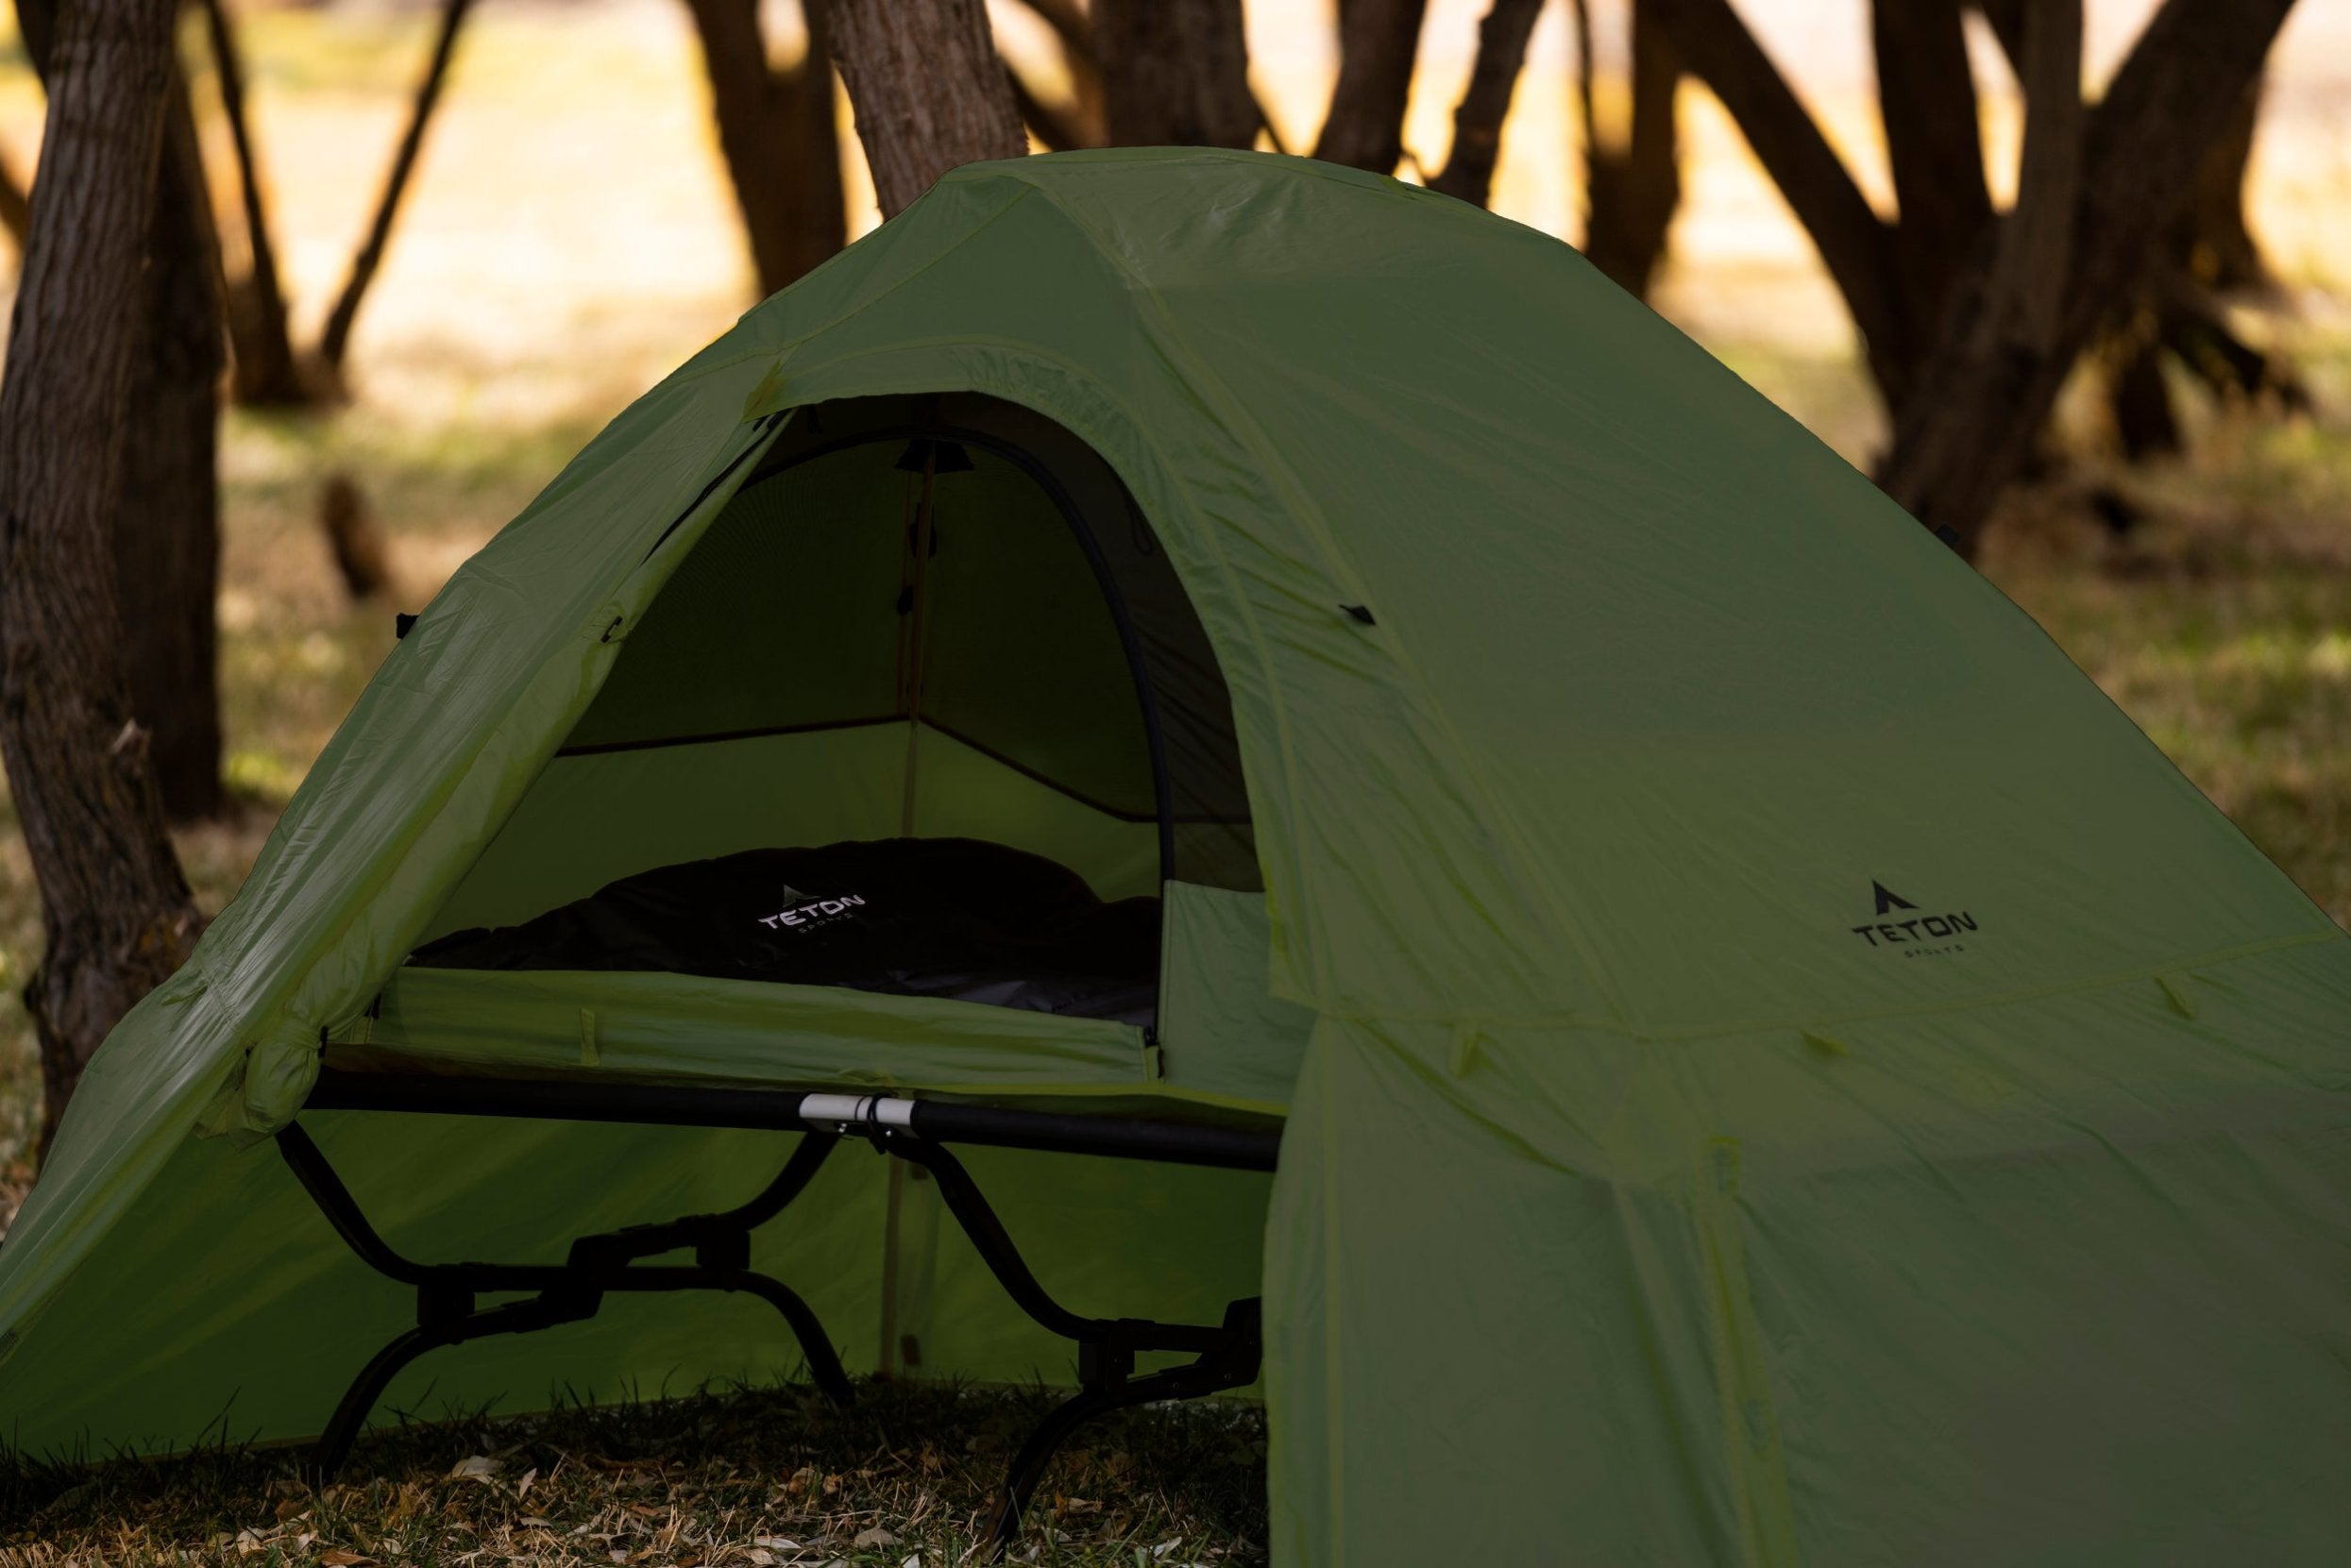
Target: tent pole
[922,609]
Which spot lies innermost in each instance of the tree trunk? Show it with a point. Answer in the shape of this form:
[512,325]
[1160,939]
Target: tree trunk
[267,373]
[336,336]
[1926,102]
[1982,397]
[166,522]
[929,91]
[777,132]
[1175,72]
[115,911]
[1378,45]
[2212,235]
[1468,171]
[1633,189]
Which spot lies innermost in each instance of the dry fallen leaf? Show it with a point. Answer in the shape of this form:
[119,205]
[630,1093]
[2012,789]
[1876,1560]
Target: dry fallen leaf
[343,1556]
[875,1537]
[474,1467]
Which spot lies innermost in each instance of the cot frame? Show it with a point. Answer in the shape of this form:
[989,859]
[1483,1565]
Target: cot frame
[1225,1355]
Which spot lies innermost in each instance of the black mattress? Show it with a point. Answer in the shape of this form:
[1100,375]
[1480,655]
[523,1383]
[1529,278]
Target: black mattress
[917,917]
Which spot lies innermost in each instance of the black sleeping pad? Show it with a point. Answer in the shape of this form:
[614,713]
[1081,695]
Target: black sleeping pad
[918,916]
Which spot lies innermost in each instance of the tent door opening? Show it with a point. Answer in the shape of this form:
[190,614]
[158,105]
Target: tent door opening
[926,710]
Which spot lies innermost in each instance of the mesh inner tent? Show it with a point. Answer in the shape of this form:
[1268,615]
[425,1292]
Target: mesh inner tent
[966,571]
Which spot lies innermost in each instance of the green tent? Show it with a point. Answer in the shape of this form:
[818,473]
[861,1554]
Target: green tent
[1770,1065]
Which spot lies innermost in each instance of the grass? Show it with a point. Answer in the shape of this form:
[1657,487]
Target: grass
[747,1477]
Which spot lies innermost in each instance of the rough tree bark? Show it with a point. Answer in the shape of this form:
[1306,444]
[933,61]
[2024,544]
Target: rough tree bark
[266,372]
[163,528]
[336,336]
[1468,171]
[1378,47]
[929,91]
[1980,400]
[115,911]
[1632,184]
[777,133]
[1175,72]
[166,521]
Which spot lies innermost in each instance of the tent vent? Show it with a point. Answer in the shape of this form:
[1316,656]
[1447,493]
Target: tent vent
[1360,612]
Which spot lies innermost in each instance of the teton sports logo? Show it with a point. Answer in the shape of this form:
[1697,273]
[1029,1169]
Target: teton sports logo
[1919,937]
[800,913]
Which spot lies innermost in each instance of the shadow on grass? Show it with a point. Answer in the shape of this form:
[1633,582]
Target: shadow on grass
[768,1476]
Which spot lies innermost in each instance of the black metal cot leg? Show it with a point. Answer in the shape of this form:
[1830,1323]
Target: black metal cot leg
[1225,1357]
[564,1292]
[824,1364]
[1028,1465]
[350,1411]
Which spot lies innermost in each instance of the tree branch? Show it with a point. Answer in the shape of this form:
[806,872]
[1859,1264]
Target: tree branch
[1855,246]
[1379,44]
[1926,102]
[1057,126]
[1468,171]
[1073,29]
[1631,191]
[337,334]
[265,371]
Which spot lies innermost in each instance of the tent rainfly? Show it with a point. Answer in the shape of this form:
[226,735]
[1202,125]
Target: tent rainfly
[1267,736]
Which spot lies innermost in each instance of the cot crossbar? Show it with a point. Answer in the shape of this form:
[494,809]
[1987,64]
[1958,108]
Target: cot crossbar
[788,1110]
[1225,1355]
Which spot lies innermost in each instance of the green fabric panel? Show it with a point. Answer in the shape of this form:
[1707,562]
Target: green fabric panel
[962,793]
[1020,652]
[590,819]
[785,613]
[1222,1031]
[685,1027]
[1819,1299]
[228,1308]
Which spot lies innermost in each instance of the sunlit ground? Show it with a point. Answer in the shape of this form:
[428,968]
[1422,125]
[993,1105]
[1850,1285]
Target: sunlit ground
[570,238]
